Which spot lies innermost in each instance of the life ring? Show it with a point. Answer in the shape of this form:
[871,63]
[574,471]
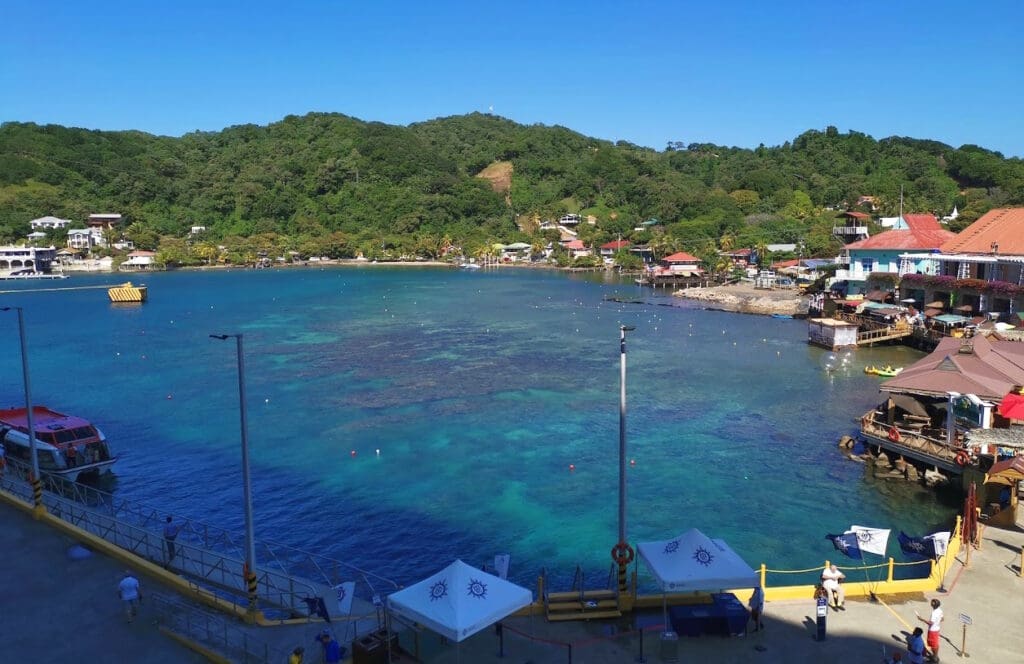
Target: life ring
[622,554]
[962,458]
[894,435]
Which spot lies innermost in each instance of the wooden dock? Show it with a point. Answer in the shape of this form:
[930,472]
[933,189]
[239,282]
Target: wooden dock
[873,332]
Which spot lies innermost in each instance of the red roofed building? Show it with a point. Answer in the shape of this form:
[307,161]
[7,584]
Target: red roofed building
[922,222]
[981,269]
[891,252]
[681,262]
[608,249]
[576,248]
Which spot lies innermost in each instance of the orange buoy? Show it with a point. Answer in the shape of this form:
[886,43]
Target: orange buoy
[352,453]
[572,467]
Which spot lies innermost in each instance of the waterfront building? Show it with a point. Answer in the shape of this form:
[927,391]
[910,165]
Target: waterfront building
[576,248]
[982,267]
[139,260]
[14,260]
[885,253]
[937,408]
[608,249]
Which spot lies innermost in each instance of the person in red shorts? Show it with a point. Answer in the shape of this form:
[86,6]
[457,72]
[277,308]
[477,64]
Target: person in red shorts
[934,623]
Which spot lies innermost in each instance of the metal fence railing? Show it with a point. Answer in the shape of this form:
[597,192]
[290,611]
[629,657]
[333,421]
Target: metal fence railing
[211,555]
[212,631]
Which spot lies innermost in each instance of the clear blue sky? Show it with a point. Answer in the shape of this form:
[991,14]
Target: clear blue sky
[727,72]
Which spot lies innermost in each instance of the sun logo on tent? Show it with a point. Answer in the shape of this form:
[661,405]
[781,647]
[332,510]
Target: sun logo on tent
[672,546]
[477,589]
[703,556]
[438,590]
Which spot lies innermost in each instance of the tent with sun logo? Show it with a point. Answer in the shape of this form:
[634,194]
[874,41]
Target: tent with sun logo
[459,601]
[693,562]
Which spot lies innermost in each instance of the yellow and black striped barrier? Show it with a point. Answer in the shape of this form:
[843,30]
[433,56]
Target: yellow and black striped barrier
[127,292]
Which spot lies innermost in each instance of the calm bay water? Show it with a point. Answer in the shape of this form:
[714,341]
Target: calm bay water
[479,390]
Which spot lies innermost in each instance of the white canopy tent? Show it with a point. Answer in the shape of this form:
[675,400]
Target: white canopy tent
[459,601]
[695,562]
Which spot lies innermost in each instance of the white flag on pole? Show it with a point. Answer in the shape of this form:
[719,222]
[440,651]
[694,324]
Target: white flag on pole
[872,540]
[501,562]
[346,592]
[941,541]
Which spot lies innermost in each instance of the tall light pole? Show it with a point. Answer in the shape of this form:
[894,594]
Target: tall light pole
[622,552]
[37,489]
[250,539]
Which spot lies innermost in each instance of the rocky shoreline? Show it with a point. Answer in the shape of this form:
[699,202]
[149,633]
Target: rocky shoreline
[745,299]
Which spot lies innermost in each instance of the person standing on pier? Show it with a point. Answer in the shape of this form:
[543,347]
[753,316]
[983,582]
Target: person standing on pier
[756,605]
[934,623]
[171,531]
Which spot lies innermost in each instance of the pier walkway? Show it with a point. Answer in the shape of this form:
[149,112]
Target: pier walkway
[59,609]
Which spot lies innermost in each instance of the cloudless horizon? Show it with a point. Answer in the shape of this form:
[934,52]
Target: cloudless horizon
[730,73]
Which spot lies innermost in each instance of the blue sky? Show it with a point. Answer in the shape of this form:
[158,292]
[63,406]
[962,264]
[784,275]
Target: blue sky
[732,73]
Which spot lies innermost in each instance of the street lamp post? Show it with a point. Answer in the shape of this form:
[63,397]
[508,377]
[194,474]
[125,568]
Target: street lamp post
[250,539]
[622,552]
[37,491]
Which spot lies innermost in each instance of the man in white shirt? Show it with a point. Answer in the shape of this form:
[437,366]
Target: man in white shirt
[934,623]
[130,593]
[830,579]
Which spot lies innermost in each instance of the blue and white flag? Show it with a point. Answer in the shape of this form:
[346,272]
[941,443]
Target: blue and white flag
[915,546]
[940,542]
[346,592]
[847,543]
[930,546]
[872,540]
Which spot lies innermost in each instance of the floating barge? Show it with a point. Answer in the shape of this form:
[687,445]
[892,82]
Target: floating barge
[127,292]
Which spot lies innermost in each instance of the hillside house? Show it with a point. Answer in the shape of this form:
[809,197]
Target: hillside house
[47,223]
[851,226]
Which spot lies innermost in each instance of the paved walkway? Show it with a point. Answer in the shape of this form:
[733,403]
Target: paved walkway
[59,609]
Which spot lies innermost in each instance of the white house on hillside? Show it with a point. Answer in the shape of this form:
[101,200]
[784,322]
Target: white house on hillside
[48,222]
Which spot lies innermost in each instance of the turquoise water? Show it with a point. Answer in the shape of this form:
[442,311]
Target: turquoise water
[479,390]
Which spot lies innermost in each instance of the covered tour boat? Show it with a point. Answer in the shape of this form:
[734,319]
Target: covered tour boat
[67,446]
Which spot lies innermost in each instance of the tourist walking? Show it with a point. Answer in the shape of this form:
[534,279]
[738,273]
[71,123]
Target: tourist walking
[130,593]
[296,656]
[915,647]
[756,605]
[934,623]
[171,531]
[831,579]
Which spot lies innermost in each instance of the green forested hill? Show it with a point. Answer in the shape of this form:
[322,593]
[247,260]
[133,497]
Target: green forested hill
[327,184]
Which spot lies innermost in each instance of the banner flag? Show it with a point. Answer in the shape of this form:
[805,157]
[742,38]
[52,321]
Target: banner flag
[346,592]
[847,543]
[872,540]
[940,542]
[501,562]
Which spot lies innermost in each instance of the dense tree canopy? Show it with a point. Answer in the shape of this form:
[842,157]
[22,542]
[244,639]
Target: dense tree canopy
[327,184]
